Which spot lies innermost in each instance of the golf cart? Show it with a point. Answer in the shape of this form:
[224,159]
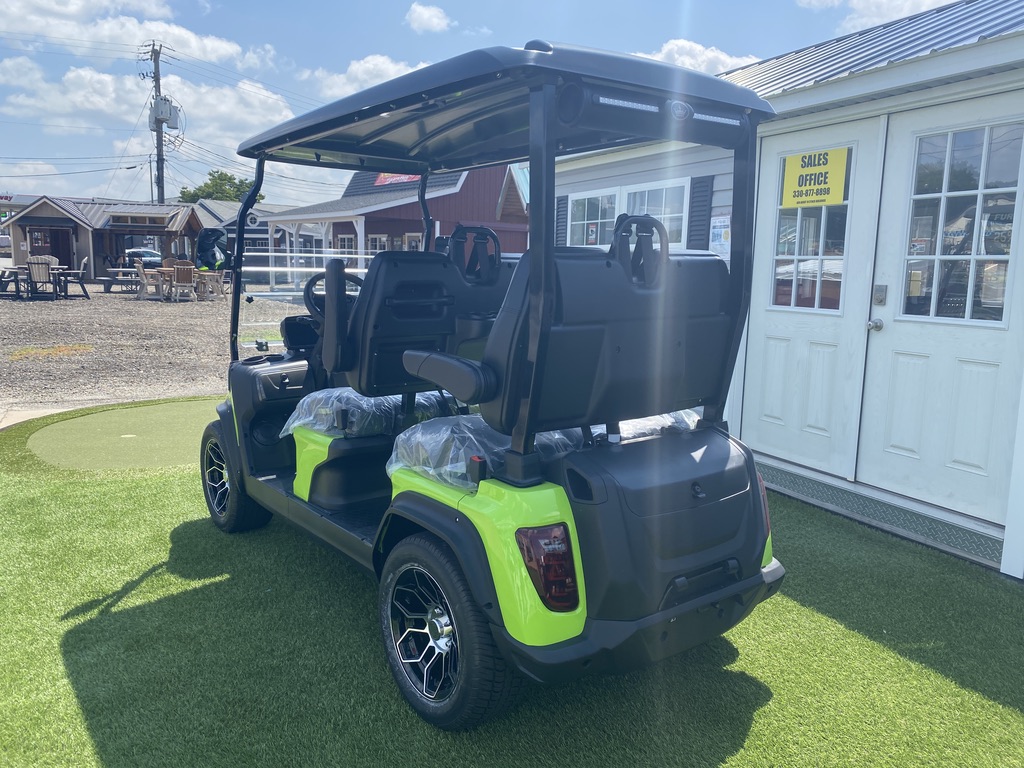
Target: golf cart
[529,455]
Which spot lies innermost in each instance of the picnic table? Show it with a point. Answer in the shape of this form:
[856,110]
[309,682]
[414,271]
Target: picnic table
[125,277]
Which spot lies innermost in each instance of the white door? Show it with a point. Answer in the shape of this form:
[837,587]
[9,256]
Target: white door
[810,301]
[943,372]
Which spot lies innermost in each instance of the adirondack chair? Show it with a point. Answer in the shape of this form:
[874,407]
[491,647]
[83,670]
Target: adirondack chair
[10,279]
[76,276]
[41,278]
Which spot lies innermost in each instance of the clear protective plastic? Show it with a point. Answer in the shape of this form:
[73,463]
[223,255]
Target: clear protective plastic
[343,412]
[441,448]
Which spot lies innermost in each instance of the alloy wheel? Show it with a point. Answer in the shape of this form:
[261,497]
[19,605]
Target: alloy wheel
[215,476]
[424,634]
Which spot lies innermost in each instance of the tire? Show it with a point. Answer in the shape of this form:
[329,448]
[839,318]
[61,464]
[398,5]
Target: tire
[230,507]
[438,643]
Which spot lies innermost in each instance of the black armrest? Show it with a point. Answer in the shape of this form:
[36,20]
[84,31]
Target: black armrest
[469,381]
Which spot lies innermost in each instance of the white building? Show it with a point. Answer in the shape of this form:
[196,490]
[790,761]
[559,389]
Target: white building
[884,355]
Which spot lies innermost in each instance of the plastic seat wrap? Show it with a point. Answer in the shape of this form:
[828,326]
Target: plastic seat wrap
[343,412]
[441,448]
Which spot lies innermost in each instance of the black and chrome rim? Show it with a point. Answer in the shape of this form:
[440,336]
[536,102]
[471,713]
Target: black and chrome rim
[215,476]
[424,634]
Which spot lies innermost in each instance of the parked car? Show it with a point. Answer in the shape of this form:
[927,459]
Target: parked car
[150,259]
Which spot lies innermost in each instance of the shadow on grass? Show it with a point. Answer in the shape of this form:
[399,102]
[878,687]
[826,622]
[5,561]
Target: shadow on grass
[957,618]
[275,659]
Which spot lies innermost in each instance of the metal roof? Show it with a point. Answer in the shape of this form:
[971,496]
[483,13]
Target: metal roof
[223,213]
[367,192]
[950,26]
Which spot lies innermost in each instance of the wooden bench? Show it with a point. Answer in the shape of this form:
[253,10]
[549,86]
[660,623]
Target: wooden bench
[127,279]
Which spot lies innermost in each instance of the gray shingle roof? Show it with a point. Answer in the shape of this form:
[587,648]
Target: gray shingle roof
[949,26]
[368,191]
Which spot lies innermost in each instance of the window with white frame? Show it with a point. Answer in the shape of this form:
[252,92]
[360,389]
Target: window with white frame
[810,250]
[347,243]
[961,223]
[592,214]
[592,218]
[376,243]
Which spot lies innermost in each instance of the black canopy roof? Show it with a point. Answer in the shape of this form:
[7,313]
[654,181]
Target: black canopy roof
[472,110]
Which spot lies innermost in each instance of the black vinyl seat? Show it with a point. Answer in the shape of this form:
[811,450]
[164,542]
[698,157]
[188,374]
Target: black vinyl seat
[415,300]
[617,349]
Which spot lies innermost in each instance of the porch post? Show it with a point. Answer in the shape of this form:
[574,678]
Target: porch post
[360,222]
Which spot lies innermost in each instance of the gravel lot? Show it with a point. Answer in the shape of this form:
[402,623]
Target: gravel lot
[118,349]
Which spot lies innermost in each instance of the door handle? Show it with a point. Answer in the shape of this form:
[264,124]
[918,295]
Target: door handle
[876,324]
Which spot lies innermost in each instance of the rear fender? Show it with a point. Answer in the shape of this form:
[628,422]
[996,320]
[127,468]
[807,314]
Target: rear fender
[412,513]
[229,431]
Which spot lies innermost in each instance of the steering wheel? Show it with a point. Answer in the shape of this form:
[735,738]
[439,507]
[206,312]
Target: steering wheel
[315,301]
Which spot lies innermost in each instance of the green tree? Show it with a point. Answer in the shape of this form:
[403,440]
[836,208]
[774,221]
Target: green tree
[219,186]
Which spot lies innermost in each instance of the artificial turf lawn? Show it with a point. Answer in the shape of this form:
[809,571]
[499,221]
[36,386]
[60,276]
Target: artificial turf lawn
[133,633]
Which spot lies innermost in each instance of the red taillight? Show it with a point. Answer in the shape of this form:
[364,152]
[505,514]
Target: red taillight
[764,504]
[547,553]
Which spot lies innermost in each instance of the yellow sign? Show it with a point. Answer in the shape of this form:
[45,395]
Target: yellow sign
[815,178]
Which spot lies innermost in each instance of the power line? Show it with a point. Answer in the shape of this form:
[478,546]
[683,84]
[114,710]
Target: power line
[205,156]
[33,36]
[69,161]
[236,76]
[73,54]
[66,173]
[236,81]
[125,150]
[68,127]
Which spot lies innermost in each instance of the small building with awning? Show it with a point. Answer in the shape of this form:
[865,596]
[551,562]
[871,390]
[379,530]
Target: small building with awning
[72,230]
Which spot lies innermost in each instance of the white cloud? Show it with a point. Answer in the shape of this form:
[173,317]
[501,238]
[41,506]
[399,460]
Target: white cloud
[21,12]
[100,28]
[428,18]
[686,53]
[360,74]
[97,105]
[22,72]
[81,95]
[263,57]
[870,13]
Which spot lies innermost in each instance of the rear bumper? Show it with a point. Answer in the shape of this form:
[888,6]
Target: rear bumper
[618,646]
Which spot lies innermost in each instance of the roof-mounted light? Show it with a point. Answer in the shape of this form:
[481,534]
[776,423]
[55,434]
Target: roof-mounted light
[717,119]
[611,101]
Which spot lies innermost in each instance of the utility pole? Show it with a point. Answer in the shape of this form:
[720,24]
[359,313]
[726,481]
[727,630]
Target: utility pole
[154,54]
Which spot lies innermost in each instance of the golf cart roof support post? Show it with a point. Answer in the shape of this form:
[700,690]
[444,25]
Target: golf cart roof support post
[741,260]
[541,291]
[236,261]
[428,223]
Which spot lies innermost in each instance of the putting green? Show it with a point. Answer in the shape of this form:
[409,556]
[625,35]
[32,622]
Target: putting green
[147,436]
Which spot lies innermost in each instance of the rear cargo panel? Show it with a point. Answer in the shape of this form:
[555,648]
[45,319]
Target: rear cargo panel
[663,520]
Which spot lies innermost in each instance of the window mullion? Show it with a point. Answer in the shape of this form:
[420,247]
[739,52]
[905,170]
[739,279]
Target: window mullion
[798,244]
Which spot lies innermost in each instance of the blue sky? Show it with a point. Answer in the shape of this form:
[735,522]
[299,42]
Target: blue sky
[74,96]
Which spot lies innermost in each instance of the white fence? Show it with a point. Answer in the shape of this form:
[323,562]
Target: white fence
[274,274]
[281,277]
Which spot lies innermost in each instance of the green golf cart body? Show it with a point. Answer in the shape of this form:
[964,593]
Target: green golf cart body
[529,454]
